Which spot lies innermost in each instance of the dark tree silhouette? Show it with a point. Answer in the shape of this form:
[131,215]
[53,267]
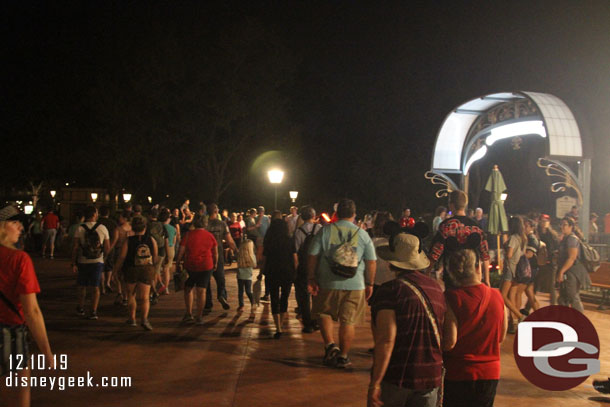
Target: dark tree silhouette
[192,108]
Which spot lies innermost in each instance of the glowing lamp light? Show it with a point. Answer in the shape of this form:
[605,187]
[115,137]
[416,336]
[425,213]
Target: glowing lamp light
[126,197]
[503,196]
[275,176]
[28,209]
[150,199]
[53,192]
[480,153]
[293,195]
[67,184]
[93,196]
[535,127]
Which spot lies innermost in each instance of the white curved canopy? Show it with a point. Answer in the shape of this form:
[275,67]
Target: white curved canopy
[562,131]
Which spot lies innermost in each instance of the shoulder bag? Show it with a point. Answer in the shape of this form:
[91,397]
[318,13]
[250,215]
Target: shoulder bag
[430,313]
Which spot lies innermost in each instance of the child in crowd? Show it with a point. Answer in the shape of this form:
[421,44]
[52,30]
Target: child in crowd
[246,261]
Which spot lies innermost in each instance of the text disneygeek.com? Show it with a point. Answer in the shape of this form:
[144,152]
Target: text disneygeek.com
[65,382]
[59,363]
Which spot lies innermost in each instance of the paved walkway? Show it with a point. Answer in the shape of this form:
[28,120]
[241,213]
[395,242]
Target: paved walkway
[232,360]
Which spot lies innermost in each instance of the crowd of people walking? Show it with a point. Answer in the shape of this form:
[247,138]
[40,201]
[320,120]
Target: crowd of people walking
[430,295]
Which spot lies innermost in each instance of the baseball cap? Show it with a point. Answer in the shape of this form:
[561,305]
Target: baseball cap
[9,212]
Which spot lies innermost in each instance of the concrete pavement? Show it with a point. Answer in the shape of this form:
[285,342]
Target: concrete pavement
[232,360]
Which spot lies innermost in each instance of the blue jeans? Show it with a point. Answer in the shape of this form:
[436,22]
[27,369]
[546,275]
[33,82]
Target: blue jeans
[219,277]
[244,285]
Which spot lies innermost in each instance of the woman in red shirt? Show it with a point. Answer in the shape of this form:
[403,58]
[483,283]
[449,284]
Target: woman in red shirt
[200,252]
[475,325]
[18,309]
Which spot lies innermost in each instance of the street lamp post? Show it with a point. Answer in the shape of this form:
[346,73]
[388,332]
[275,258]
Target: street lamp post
[275,177]
[53,193]
[293,195]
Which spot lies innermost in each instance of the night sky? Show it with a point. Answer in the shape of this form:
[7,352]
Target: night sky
[351,94]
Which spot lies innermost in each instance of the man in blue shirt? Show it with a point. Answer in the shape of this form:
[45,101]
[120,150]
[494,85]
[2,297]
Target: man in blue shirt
[338,298]
[262,221]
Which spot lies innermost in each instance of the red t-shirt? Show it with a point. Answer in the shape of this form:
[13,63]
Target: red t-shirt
[404,222]
[50,221]
[476,355]
[236,232]
[17,277]
[199,244]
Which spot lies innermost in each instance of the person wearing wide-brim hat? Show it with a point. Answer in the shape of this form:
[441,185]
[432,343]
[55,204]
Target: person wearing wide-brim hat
[405,255]
[408,361]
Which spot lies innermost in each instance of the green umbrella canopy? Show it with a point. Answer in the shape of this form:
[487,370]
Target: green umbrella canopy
[497,215]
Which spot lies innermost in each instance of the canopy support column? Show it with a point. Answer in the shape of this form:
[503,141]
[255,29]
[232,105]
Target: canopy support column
[465,183]
[584,179]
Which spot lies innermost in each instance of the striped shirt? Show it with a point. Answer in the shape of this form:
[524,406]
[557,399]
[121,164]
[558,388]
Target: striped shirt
[417,360]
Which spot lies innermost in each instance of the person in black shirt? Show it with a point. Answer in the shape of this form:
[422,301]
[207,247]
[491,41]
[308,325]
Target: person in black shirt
[459,226]
[280,262]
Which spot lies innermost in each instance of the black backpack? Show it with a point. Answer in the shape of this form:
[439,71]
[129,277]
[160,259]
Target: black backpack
[91,245]
[304,249]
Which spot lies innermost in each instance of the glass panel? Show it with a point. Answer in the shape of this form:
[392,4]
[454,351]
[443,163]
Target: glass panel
[480,105]
[562,129]
[450,141]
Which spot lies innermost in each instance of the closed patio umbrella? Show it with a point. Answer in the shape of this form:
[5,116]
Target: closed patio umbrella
[497,222]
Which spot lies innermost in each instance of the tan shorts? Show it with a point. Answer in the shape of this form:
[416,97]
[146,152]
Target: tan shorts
[345,306]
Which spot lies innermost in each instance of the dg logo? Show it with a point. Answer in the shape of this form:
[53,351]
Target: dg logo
[557,348]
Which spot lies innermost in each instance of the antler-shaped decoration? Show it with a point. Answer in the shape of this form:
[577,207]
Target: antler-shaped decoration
[567,178]
[441,179]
